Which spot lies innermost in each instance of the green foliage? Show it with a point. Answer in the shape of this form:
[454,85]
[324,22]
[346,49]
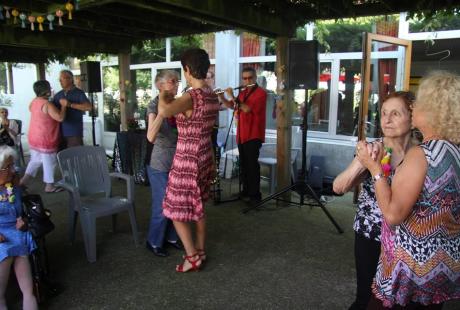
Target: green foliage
[180,44]
[434,21]
[149,51]
[343,35]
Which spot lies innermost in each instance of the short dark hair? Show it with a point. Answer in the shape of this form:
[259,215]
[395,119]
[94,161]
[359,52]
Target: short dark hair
[250,69]
[42,88]
[68,72]
[197,60]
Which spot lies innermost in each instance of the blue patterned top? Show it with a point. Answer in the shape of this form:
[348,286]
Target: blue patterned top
[17,242]
[9,212]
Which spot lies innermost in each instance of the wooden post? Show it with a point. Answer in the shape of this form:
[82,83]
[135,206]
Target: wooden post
[41,71]
[283,116]
[10,78]
[125,82]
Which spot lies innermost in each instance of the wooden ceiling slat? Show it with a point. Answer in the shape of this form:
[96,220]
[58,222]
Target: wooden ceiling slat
[112,26]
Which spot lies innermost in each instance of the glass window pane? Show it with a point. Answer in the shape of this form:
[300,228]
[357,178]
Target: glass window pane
[111,96]
[318,105]
[255,45]
[3,79]
[349,97]
[209,44]
[141,80]
[266,79]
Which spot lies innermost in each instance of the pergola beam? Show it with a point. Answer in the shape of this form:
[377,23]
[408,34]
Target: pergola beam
[62,42]
[222,14]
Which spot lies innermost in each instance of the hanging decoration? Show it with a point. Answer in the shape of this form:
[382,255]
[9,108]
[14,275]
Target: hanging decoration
[50,18]
[7,11]
[69,8]
[23,18]
[15,14]
[59,14]
[40,20]
[18,15]
[31,19]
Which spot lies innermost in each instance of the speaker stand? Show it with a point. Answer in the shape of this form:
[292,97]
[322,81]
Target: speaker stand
[301,185]
[93,119]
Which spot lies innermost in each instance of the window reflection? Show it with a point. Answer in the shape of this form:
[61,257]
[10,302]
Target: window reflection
[349,97]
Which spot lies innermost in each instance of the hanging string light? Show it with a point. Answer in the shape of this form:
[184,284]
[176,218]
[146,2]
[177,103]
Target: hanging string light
[31,19]
[15,14]
[40,20]
[50,18]
[7,11]
[23,18]
[69,8]
[59,14]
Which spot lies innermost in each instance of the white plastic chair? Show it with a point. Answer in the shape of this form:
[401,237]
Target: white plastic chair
[85,174]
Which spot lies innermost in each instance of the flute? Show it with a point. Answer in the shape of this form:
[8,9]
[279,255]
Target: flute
[221,91]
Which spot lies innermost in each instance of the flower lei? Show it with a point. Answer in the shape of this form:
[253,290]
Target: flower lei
[9,196]
[172,123]
[385,162]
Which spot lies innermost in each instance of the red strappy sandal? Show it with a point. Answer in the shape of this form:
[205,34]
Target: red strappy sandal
[195,263]
[202,254]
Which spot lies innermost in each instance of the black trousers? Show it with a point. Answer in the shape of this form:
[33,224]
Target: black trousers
[250,168]
[367,254]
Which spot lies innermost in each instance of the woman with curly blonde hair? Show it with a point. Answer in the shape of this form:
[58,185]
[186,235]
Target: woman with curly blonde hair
[419,265]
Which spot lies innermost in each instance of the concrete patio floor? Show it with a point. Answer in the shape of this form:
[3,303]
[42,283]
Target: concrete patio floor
[274,258]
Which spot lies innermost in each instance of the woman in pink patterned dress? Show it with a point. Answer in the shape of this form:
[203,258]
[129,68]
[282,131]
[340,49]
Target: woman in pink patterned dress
[193,166]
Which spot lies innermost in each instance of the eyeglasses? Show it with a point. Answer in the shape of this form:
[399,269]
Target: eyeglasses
[246,78]
[173,81]
[8,168]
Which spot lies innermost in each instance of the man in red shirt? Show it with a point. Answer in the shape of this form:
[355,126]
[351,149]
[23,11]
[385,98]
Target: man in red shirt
[250,106]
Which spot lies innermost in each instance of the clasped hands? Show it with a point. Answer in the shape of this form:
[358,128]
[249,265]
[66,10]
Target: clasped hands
[20,225]
[370,154]
[165,97]
[64,102]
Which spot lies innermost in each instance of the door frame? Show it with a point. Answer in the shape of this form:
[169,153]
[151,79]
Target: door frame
[368,38]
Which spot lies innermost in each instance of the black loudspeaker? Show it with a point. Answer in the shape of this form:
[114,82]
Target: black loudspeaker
[303,62]
[90,76]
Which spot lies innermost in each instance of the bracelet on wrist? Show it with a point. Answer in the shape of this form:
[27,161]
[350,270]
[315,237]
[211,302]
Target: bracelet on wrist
[378,176]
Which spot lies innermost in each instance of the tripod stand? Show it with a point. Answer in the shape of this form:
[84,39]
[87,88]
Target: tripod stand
[218,190]
[300,185]
[93,119]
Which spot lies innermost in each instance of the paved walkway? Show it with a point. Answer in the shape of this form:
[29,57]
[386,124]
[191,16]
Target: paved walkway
[276,258]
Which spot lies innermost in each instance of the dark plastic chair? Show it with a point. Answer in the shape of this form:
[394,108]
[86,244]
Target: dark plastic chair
[18,143]
[316,173]
[85,174]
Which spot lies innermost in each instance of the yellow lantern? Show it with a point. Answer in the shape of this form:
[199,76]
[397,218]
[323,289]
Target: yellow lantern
[40,20]
[69,7]
[15,14]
